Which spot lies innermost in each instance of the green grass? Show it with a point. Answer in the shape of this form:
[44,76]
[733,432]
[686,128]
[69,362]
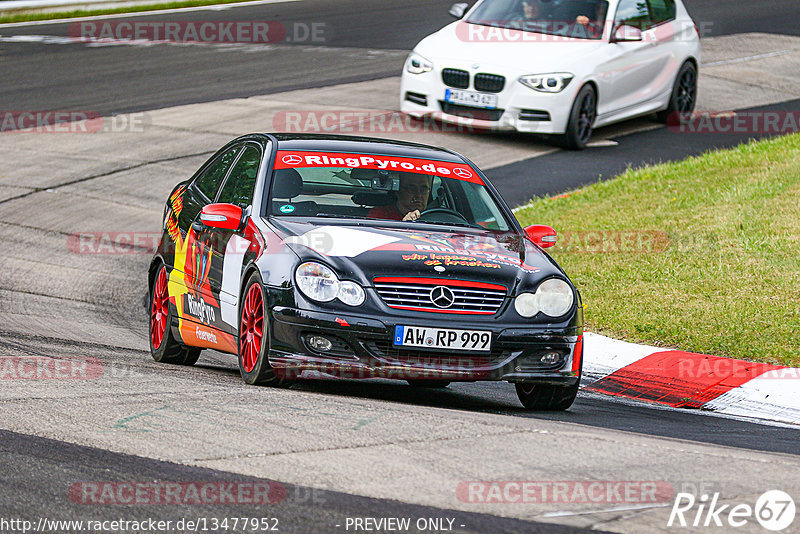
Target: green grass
[722,274]
[24,17]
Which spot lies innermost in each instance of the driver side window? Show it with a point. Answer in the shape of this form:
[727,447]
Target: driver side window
[208,183]
[238,188]
[632,13]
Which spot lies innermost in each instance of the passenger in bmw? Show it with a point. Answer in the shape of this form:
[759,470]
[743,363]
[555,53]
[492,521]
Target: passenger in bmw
[412,199]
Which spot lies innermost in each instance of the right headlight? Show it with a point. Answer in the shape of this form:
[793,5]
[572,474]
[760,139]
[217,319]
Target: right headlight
[553,297]
[547,83]
[416,64]
[318,282]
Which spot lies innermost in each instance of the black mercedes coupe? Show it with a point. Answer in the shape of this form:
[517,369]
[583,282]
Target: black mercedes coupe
[353,257]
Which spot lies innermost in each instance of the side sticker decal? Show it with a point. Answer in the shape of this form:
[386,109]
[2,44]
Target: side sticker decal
[231,271]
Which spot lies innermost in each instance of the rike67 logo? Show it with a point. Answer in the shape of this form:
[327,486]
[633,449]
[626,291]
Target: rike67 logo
[773,510]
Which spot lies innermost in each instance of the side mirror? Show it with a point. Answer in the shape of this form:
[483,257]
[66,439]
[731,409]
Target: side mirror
[542,235]
[458,10]
[626,34]
[222,216]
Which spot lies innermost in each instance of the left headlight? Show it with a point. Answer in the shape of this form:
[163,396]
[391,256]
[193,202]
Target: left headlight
[416,64]
[351,293]
[547,83]
[318,282]
[553,297]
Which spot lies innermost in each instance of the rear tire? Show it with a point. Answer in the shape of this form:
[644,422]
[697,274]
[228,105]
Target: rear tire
[254,338]
[546,397]
[430,384]
[581,120]
[684,96]
[163,346]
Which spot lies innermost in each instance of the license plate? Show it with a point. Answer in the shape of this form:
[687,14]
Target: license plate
[442,338]
[470,98]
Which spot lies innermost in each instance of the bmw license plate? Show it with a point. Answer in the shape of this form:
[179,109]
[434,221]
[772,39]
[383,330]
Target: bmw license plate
[470,98]
[442,338]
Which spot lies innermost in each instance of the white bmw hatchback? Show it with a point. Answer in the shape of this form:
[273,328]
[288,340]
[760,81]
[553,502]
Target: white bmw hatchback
[560,67]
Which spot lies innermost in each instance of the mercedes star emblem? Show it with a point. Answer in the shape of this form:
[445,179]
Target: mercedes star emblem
[442,297]
[292,159]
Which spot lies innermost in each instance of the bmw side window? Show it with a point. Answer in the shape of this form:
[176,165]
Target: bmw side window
[661,11]
[632,13]
[238,188]
[208,183]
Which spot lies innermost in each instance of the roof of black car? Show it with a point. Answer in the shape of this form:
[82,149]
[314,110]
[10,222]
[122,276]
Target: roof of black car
[362,145]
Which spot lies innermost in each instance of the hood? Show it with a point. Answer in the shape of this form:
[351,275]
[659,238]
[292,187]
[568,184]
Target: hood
[364,253]
[463,44]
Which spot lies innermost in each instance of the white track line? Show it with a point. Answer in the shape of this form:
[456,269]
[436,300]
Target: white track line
[749,58]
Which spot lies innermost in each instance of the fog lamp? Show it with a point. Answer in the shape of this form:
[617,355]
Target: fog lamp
[319,343]
[550,357]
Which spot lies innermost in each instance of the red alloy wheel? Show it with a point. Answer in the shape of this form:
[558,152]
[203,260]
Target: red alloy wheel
[252,328]
[158,313]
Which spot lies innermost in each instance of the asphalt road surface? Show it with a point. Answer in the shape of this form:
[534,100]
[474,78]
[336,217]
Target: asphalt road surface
[366,448]
[121,79]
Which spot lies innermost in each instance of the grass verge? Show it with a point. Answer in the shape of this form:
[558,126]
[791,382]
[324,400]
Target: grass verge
[701,255]
[25,17]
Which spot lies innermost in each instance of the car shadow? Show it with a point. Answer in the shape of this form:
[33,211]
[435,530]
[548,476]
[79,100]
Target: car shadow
[590,409]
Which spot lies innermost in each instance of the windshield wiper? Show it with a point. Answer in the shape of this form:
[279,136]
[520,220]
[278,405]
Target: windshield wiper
[378,221]
[459,224]
[334,216]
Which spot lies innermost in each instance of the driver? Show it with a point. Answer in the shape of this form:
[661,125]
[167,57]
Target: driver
[412,198]
[594,28]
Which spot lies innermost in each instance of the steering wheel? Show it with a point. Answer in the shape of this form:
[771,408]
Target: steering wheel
[449,216]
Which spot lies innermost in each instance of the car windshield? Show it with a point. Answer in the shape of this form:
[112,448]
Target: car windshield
[580,19]
[389,188]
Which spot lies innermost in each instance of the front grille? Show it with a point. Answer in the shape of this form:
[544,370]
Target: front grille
[491,83]
[533,115]
[455,78]
[385,351]
[471,112]
[469,297]
[417,98]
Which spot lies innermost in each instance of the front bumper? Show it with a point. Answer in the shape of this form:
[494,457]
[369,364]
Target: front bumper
[519,107]
[362,348]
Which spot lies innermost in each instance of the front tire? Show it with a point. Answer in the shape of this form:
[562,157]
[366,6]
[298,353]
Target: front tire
[581,120]
[683,98]
[163,346]
[546,397]
[254,338]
